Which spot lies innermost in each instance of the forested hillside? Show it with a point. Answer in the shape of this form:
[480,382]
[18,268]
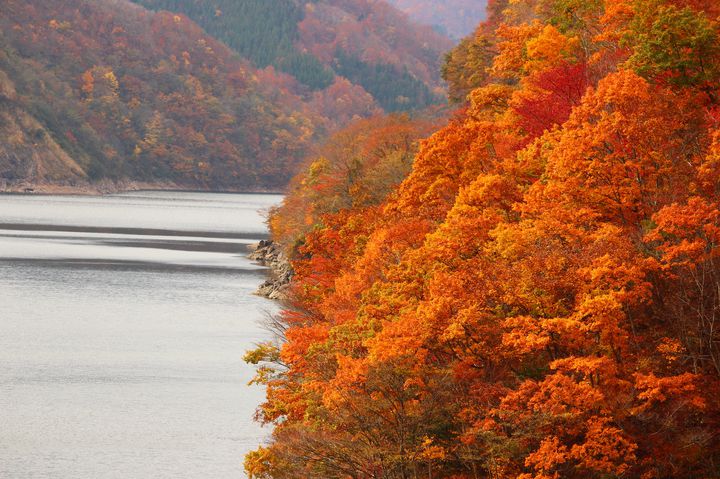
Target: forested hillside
[115,91]
[109,90]
[538,298]
[369,43]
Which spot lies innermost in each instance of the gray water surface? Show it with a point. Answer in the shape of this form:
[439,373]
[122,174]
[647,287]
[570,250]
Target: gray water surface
[123,322]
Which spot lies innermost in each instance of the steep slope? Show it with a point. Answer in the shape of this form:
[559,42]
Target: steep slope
[28,151]
[263,32]
[110,90]
[367,42]
[107,89]
[538,298]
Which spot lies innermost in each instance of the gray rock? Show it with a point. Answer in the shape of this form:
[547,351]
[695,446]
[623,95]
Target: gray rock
[270,254]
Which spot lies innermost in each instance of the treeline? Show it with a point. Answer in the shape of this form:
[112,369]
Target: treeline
[536,294]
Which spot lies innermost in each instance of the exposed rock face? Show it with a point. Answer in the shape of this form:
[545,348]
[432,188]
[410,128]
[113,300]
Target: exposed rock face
[270,254]
[28,151]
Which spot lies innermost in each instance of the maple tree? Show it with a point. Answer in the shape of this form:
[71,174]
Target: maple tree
[538,298]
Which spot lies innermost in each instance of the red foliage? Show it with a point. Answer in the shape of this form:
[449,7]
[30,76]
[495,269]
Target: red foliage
[539,297]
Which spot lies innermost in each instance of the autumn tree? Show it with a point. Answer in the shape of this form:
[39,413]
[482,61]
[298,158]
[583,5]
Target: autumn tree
[538,297]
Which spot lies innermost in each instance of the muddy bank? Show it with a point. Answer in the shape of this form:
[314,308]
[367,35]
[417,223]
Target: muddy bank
[270,254]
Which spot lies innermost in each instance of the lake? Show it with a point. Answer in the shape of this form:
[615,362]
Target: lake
[123,322]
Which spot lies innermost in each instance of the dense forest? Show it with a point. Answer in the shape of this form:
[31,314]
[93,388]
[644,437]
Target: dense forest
[109,90]
[392,59]
[119,92]
[535,294]
[263,32]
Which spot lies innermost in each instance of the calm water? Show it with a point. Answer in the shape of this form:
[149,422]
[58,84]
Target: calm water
[123,321]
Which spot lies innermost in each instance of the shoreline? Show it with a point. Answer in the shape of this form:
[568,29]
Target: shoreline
[111,187]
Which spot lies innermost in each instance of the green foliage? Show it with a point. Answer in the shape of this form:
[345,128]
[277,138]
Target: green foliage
[465,66]
[681,44]
[571,15]
[394,89]
[261,31]
[264,352]
[267,34]
[306,69]
[266,356]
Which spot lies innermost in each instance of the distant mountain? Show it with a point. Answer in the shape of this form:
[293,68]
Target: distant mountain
[456,18]
[107,89]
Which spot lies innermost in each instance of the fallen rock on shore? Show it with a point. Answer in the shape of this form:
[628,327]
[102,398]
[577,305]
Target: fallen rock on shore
[270,254]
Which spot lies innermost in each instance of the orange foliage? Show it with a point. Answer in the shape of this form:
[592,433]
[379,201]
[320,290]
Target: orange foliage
[539,298]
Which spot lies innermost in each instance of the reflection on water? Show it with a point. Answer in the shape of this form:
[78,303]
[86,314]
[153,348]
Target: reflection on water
[123,321]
